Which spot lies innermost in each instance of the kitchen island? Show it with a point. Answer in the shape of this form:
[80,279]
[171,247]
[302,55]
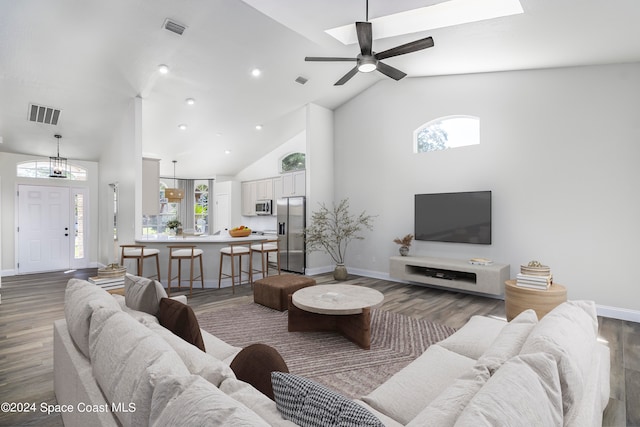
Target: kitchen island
[210,244]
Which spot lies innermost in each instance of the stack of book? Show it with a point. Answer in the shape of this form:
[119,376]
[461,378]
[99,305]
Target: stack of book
[108,282]
[534,277]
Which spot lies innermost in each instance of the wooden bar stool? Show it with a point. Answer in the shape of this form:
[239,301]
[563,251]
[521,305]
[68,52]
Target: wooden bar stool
[184,252]
[264,248]
[232,251]
[139,253]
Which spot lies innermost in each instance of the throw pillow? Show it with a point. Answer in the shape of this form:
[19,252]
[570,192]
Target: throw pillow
[143,294]
[310,404]
[180,319]
[254,365]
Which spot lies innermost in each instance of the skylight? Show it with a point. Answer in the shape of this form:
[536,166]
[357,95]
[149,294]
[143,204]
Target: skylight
[445,14]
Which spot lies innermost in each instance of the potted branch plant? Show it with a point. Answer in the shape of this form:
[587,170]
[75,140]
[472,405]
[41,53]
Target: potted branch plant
[332,230]
[404,243]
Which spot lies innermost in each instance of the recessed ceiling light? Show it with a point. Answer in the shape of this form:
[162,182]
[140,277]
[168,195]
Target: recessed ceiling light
[227,151]
[258,127]
[163,69]
[182,126]
[256,72]
[190,101]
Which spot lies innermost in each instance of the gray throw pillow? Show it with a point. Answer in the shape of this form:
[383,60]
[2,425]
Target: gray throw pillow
[310,404]
[143,294]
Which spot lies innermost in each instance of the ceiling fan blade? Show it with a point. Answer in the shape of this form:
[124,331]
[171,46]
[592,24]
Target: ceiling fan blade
[347,77]
[328,58]
[365,38]
[406,48]
[389,71]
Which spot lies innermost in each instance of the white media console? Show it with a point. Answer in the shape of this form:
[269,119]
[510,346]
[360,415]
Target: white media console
[451,273]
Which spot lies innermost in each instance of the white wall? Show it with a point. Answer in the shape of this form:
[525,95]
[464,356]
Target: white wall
[559,149]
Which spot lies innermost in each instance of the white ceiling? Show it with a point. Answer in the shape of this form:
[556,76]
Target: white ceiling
[90,58]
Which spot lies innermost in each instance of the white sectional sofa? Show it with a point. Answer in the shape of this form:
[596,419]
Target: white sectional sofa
[117,366]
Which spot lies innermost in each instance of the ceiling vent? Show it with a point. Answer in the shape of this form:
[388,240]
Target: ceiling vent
[174,27]
[46,115]
[301,80]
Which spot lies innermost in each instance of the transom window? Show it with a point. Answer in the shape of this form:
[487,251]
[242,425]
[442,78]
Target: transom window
[447,132]
[293,162]
[40,169]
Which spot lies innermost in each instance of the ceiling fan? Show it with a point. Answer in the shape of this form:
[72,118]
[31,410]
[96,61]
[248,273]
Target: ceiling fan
[368,60]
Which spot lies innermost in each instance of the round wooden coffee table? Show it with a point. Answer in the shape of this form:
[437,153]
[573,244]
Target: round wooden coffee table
[342,308]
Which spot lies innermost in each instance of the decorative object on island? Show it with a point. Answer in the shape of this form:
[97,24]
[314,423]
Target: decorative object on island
[240,231]
[174,195]
[174,225]
[57,164]
[534,275]
[404,243]
[332,230]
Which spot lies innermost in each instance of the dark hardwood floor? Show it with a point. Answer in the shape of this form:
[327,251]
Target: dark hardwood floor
[31,303]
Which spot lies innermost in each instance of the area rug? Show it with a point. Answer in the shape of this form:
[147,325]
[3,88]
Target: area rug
[328,357]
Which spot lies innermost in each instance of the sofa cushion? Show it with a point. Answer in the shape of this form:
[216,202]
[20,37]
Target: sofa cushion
[254,365]
[387,421]
[308,403]
[80,299]
[568,333]
[475,337]
[445,409]
[509,341]
[197,361]
[127,361]
[254,400]
[410,390]
[143,294]
[218,348]
[525,391]
[180,319]
[192,401]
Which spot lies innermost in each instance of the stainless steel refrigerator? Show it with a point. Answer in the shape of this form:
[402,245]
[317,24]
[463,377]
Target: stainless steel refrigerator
[291,224]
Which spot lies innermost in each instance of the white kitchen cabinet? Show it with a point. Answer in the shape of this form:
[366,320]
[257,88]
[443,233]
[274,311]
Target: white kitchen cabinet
[150,186]
[277,193]
[249,189]
[293,184]
[264,189]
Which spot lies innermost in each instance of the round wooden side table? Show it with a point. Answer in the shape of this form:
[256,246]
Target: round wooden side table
[518,299]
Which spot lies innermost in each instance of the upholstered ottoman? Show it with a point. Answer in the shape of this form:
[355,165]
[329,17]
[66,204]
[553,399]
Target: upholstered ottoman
[274,291]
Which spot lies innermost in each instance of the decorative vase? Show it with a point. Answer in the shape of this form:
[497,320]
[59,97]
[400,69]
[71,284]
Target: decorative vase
[404,250]
[340,272]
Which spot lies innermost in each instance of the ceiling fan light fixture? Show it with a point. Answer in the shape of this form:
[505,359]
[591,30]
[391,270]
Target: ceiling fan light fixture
[367,65]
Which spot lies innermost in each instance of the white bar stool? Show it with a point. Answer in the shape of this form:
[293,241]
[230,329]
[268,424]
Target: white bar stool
[184,252]
[139,253]
[264,248]
[232,251]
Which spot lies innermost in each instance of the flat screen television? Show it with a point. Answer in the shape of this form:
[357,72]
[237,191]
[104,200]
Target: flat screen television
[454,217]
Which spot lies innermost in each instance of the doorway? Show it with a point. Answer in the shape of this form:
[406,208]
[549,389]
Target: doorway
[51,228]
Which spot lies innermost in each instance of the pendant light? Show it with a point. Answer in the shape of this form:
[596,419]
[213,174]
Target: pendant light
[174,195]
[57,164]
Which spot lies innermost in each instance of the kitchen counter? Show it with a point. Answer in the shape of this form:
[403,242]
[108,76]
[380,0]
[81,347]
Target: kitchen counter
[210,244]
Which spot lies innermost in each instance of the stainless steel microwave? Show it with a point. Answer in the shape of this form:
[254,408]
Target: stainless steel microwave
[263,207]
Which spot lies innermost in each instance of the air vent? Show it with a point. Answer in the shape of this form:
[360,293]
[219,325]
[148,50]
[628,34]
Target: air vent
[46,115]
[301,80]
[174,27]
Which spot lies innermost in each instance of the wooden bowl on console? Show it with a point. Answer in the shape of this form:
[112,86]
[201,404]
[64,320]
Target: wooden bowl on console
[240,233]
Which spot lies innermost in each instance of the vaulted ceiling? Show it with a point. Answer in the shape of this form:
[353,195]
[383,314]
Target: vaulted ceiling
[89,58]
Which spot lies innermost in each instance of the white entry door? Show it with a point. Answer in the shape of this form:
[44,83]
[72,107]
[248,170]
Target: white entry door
[44,233]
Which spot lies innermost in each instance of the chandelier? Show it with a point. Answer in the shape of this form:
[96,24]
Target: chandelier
[57,164]
[174,195]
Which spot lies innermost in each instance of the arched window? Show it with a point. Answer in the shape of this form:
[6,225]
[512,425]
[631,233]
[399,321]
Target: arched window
[447,132]
[293,162]
[40,169]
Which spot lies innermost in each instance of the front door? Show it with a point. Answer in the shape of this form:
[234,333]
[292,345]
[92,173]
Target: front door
[43,229]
